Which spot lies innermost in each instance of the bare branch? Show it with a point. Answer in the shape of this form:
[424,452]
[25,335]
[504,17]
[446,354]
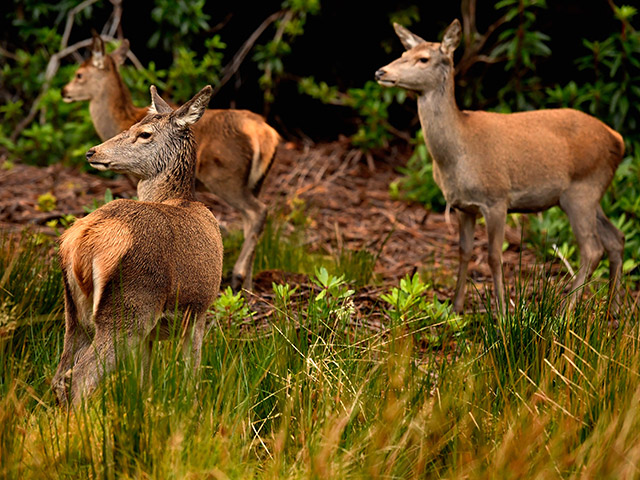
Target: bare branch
[231,68]
[70,19]
[475,41]
[115,19]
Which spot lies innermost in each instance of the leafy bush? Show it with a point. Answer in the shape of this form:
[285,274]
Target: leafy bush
[372,103]
[416,182]
[61,132]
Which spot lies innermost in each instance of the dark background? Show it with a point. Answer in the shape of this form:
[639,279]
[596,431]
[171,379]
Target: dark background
[343,45]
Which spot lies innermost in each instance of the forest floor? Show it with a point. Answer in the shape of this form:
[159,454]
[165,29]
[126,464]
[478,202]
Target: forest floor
[343,194]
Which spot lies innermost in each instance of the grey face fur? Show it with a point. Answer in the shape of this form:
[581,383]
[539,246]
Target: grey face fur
[145,149]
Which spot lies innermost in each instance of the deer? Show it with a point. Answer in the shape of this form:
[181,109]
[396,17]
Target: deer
[492,164]
[134,269]
[236,148]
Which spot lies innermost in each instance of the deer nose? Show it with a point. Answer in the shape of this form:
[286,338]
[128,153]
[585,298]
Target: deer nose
[90,153]
[379,74]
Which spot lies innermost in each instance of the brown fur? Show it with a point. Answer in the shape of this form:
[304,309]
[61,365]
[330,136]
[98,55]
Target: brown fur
[130,265]
[491,164]
[235,147]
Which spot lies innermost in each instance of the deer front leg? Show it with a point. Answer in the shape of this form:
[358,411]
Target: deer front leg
[76,342]
[96,361]
[495,217]
[466,225]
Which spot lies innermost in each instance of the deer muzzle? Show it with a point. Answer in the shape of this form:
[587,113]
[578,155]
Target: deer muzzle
[94,162]
[381,78]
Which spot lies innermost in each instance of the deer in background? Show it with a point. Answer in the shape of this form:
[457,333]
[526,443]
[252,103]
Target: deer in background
[492,164]
[132,268]
[236,148]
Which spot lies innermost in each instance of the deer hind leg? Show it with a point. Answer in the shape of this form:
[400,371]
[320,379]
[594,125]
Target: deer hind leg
[583,219]
[112,338]
[495,218]
[76,341]
[192,345]
[254,215]
[613,242]
[466,227]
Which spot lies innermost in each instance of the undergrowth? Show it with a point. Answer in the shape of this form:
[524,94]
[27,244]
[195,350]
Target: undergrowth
[316,392]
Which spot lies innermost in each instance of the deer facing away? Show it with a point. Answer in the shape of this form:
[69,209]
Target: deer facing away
[492,164]
[236,148]
[131,268]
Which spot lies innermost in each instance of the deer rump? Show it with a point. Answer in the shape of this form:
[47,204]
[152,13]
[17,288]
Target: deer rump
[118,255]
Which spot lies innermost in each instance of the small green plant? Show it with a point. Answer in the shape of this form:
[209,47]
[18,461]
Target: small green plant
[428,320]
[64,221]
[47,202]
[334,300]
[282,299]
[230,308]
[331,287]
[96,204]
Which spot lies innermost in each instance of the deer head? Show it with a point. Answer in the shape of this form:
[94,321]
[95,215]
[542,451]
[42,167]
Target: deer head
[425,65]
[93,76]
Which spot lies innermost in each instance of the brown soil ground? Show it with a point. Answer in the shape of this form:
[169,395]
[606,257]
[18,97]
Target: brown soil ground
[345,197]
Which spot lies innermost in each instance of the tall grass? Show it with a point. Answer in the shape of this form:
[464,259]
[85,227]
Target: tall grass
[314,394]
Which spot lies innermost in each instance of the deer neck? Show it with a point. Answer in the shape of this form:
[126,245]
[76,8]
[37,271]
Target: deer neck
[177,182]
[441,122]
[113,110]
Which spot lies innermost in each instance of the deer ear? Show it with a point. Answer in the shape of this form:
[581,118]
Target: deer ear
[97,50]
[119,55]
[452,36]
[158,105]
[408,39]
[190,112]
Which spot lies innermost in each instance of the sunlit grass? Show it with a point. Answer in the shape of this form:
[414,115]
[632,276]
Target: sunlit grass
[313,394]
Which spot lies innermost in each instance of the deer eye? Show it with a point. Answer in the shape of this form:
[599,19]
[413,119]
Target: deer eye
[423,60]
[78,76]
[144,135]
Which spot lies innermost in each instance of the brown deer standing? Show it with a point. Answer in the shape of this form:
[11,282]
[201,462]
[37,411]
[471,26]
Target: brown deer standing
[131,269]
[236,148]
[492,164]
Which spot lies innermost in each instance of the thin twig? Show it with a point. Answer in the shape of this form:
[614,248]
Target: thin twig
[70,19]
[230,69]
[116,16]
